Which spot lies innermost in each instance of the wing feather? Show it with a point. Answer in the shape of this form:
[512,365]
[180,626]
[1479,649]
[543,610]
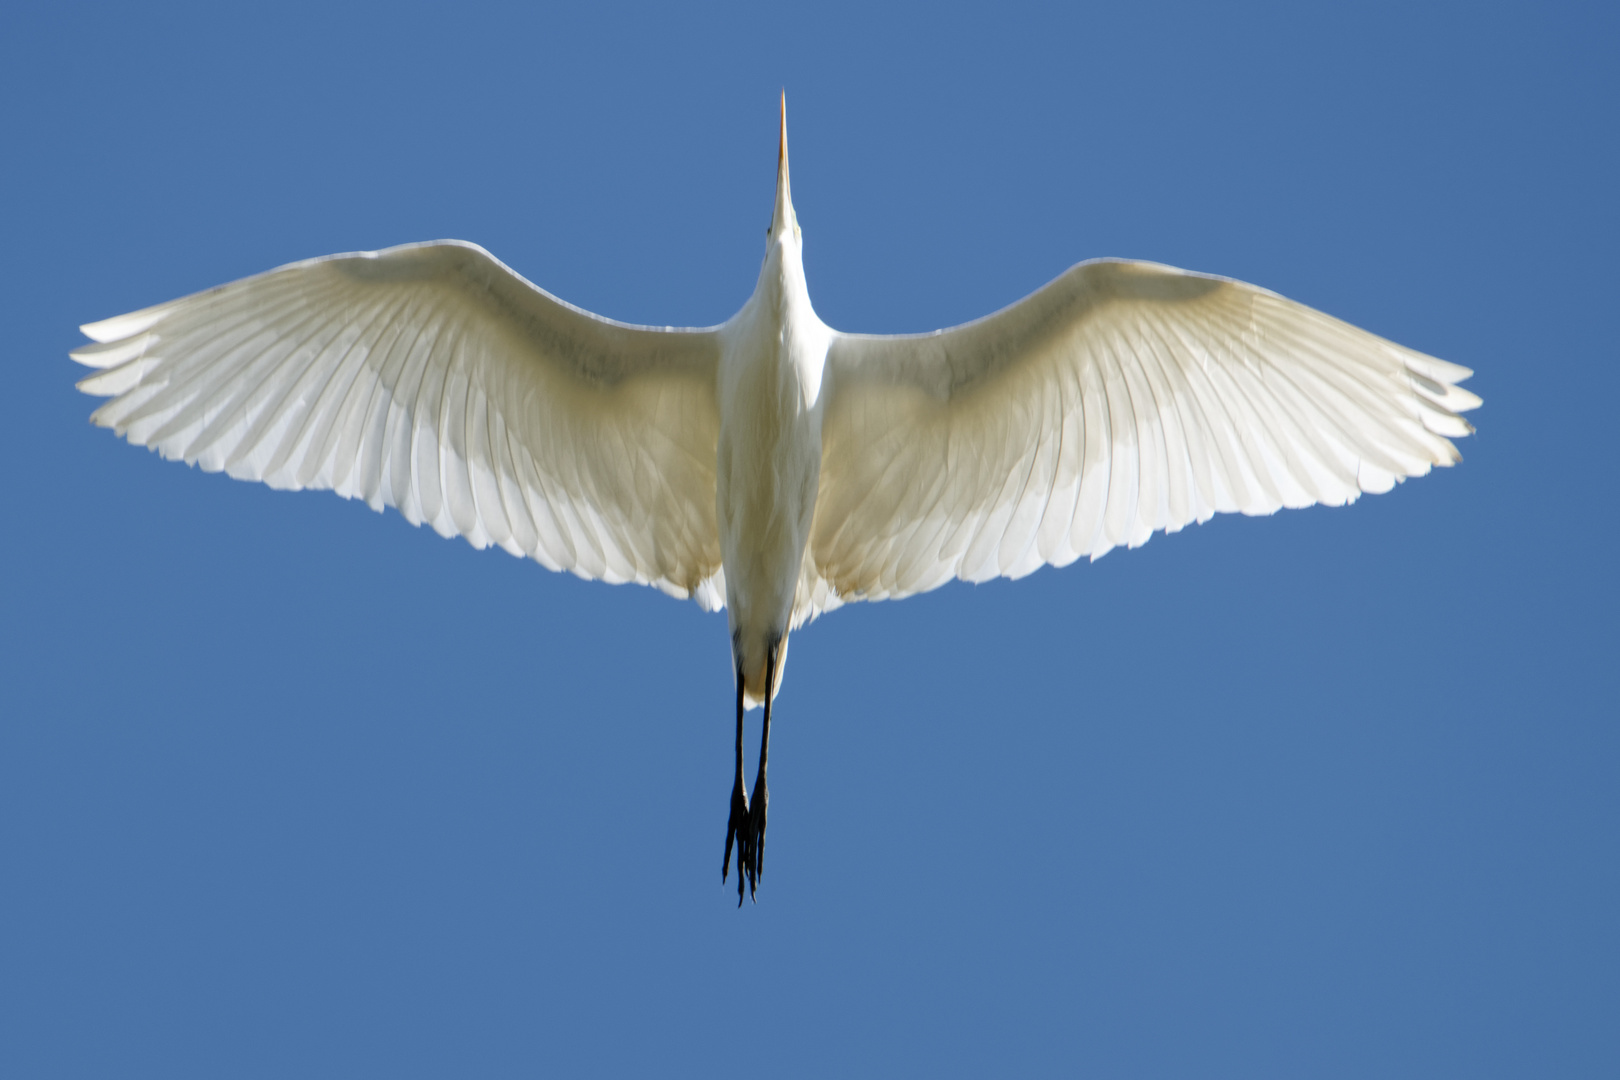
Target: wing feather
[433,379]
[1121,400]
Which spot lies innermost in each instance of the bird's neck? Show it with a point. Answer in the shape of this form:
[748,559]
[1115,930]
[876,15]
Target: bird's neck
[782,303]
[781,278]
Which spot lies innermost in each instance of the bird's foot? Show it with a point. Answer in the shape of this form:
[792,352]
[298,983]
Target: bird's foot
[739,829]
[756,828]
[747,829]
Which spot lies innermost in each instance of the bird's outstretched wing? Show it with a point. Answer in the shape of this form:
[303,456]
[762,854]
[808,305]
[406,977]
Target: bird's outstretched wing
[432,378]
[1121,398]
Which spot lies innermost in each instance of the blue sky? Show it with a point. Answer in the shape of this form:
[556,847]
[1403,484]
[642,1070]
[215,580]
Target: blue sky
[292,788]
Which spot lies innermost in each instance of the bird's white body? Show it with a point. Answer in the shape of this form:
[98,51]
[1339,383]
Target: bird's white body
[771,465]
[772,359]
[773,356]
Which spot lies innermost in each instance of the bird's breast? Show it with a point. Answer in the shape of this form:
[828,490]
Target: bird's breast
[767,474]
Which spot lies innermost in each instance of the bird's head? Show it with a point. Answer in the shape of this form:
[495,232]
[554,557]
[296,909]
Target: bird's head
[784,223]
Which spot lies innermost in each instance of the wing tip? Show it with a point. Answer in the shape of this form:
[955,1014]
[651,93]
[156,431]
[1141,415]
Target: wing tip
[123,326]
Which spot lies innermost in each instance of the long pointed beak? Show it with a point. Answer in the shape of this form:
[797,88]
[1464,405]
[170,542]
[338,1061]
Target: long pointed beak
[782,217]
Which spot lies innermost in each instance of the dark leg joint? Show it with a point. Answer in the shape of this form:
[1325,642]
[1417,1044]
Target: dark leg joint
[747,822]
[737,825]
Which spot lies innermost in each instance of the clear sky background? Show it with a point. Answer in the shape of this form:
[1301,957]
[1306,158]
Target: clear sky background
[290,788]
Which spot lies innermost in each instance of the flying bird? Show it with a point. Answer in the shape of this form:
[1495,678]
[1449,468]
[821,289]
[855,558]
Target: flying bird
[773,466]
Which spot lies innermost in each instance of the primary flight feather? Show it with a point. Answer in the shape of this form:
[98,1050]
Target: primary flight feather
[771,465]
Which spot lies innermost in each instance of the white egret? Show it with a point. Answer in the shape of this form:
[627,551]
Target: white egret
[771,465]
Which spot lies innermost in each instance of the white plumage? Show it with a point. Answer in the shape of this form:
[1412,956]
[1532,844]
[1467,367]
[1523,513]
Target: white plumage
[433,379]
[1121,399]
[772,465]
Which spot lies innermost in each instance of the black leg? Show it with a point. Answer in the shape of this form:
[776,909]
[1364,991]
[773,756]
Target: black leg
[762,795]
[737,827]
